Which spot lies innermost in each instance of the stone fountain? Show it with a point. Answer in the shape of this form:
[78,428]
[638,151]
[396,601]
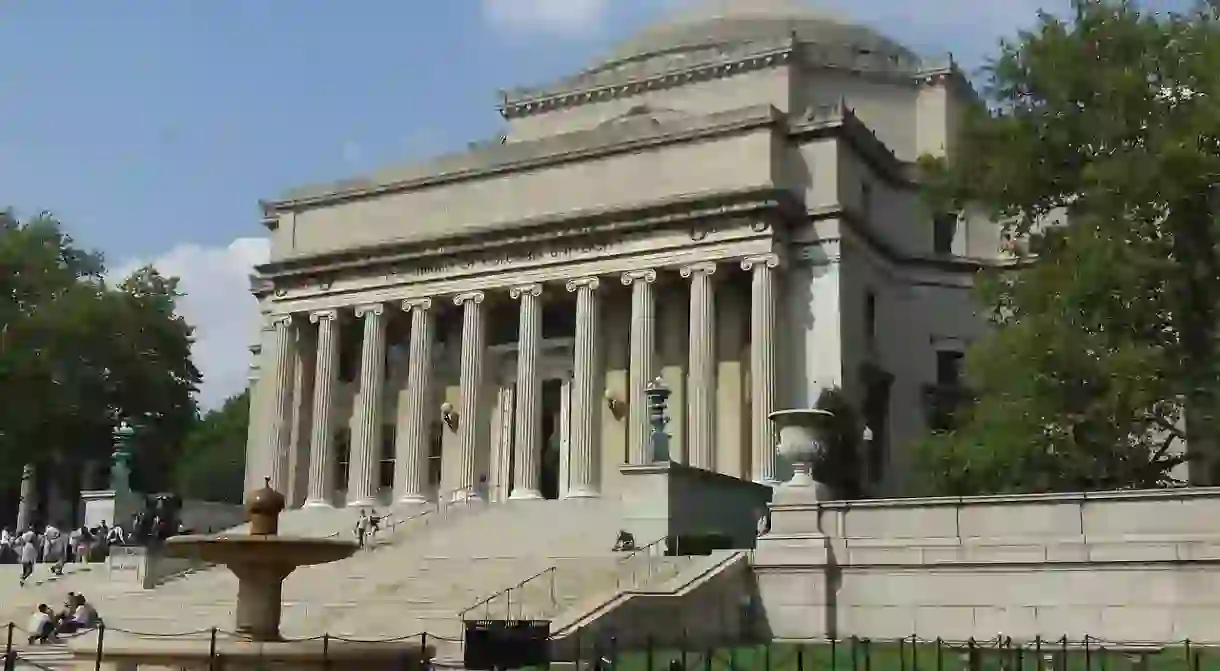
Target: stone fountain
[261,560]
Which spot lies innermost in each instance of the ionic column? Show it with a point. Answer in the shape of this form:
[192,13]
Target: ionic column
[701,374]
[527,440]
[411,452]
[762,364]
[365,457]
[471,386]
[584,390]
[322,433]
[279,402]
[643,348]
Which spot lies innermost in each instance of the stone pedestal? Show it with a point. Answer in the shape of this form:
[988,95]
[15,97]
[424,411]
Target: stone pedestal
[259,591]
[665,499]
[112,506]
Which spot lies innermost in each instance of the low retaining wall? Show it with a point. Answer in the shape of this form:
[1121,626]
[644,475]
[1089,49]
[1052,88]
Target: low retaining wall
[1120,566]
[146,567]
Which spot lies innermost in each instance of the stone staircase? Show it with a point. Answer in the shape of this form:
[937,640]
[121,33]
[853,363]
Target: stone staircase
[516,560]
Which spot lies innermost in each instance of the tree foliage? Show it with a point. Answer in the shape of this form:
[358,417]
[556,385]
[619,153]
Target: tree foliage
[213,463]
[839,466]
[78,356]
[1108,121]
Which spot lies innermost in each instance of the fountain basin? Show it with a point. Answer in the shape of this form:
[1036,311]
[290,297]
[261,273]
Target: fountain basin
[269,550]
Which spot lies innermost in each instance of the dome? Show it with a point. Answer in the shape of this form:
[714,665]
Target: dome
[724,24]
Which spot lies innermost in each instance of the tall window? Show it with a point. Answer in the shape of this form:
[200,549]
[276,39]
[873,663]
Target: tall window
[385,471]
[944,230]
[870,319]
[343,452]
[949,368]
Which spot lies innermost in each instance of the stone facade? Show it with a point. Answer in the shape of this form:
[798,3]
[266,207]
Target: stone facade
[729,203]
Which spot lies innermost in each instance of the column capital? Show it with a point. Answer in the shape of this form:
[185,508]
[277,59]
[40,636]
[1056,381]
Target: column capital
[768,260]
[475,297]
[276,321]
[534,290]
[421,304]
[702,268]
[323,315]
[646,275]
[591,283]
[376,309]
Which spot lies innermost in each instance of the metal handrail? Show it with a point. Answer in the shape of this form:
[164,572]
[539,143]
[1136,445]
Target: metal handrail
[507,593]
[650,552]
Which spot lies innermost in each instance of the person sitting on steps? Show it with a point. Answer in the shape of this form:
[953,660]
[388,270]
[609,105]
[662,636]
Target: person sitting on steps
[41,625]
[625,542]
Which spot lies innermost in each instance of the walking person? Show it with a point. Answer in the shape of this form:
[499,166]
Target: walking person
[362,527]
[29,555]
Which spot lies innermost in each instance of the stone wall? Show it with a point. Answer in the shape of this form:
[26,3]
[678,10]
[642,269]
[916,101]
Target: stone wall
[1120,566]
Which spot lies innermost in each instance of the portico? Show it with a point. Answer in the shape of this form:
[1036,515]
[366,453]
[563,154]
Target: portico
[489,366]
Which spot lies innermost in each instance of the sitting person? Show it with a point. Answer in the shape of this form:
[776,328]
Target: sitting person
[41,624]
[82,617]
[625,542]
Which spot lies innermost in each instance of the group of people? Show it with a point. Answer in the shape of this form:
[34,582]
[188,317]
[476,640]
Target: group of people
[77,615]
[367,525]
[50,545]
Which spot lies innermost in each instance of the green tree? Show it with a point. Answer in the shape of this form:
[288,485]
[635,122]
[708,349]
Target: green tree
[213,463]
[839,466]
[1107,338]
[78,356]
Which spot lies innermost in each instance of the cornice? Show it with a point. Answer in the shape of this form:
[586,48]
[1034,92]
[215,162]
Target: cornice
[610,223]
[623,79]
[840,121]
[584,145]
[578,91]
[864,232]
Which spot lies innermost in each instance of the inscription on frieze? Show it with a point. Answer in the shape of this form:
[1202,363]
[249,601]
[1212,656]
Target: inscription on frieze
[540,252]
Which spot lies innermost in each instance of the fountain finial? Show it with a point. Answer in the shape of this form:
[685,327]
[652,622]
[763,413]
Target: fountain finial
[263,510]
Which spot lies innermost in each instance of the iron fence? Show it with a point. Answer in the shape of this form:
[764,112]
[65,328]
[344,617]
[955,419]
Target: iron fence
[605,653]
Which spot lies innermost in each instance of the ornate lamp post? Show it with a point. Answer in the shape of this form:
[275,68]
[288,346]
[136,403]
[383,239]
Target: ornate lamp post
[658,402]
[120,459]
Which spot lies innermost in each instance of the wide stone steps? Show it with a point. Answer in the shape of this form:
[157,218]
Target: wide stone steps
[50,656]
[416,578]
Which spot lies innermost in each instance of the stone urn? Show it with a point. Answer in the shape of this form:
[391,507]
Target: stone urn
[802,439]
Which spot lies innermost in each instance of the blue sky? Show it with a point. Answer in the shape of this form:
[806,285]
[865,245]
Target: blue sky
[152,127]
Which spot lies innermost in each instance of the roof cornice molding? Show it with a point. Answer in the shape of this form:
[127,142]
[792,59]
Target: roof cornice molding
[768,202]
[579,91]
[556,150]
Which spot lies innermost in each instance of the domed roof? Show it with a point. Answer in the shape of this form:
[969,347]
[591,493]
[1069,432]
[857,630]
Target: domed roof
[731,23]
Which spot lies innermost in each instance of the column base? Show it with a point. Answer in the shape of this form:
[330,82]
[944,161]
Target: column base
[768,482]
[582,493]
[520,494]
[412,499]
[319,504]
[362,503]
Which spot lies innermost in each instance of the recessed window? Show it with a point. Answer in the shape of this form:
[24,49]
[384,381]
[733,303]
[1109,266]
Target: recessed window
[949,368]
[944,230]
[870,318]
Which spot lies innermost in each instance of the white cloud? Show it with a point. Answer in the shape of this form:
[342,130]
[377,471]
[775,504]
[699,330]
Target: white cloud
[556,17]
[217,302]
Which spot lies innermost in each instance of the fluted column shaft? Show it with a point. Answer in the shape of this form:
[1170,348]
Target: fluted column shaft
[322,432]
[701,381]
[643,349]
[365,457]
[411,451]
[527,439]
[584,390]
[279,401]
[471,383]
[762,364]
